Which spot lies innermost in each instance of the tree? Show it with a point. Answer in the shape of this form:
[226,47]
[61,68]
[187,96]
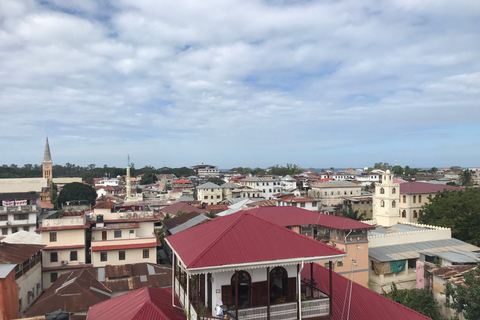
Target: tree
[211,215]
[455,209]
[149,178]
[216,180]
[466,178]
[382,166]
[352,214]
[420,300]
[77,191]
[397,170]
[464,299]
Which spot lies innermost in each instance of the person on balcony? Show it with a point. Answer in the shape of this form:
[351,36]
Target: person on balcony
[219,309]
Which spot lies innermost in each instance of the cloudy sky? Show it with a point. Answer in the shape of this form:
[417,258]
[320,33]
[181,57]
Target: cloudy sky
[241,82]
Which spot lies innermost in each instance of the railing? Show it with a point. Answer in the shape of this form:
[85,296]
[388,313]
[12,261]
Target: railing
[284,311]
[26,208]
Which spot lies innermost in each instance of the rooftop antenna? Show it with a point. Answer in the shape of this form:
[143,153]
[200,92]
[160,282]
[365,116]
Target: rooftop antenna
[128,159]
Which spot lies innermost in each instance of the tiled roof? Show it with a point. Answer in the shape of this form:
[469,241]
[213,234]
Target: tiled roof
[182,181]
[145,303]
[424,187]
[364,303]
[235,239]
[293,216]
[178,220]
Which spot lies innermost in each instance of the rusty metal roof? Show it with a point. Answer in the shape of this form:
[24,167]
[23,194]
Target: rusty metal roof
[17,252]
[75,291]
[452,273]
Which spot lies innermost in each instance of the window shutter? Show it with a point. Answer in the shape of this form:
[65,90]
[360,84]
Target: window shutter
[227,296]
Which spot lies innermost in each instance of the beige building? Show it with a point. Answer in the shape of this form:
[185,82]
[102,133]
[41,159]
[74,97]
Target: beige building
[386,201]
[413,195]
[120,238]
[209,193]
[331,192]
[65,241]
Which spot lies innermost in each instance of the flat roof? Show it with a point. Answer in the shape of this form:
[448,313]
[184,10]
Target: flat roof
[397,228]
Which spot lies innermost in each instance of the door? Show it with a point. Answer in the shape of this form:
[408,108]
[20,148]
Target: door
[104,235]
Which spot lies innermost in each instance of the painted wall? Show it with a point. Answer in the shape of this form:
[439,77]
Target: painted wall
[8,297]
[31,281]
[131,256]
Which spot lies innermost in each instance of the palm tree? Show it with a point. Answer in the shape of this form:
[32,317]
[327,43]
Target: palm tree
[211,215]
[466,179]
[352,214]
[167,216]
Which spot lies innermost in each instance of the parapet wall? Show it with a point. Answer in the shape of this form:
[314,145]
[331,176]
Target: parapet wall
[432,233]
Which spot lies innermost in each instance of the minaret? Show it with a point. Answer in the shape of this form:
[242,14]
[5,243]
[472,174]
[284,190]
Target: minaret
[386,201]
[129,191]
[47,164]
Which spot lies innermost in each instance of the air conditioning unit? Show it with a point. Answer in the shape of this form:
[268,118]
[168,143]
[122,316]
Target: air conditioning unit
[64,262]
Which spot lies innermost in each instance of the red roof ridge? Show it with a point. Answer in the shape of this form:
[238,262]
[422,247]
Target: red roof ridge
[242,215]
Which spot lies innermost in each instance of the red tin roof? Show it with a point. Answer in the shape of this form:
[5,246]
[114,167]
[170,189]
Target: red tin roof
[243,238]
[182,181]
[425,187]
[18,252]
[293,216]
[365,303]
[144,303]
[125,246]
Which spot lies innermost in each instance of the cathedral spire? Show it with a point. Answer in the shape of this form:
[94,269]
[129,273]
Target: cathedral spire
[46,155]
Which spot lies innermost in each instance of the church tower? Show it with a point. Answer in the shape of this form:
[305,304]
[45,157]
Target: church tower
[386,201]
[47,164]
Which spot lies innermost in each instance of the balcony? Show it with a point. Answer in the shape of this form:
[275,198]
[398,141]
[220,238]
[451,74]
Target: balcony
[27,208]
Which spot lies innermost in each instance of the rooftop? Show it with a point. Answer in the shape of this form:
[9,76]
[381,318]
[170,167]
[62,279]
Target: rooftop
[18,253]
[424,187]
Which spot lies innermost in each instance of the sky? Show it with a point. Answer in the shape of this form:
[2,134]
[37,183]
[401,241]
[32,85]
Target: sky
[240,82]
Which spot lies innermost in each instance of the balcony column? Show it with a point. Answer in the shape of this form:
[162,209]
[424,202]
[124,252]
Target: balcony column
[174,273]
[236,294]
[330,267]
[268,293]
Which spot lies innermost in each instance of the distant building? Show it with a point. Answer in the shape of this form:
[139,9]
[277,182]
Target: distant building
[331,192]
[209,193]
[18,211]
[206,170]
[268,185]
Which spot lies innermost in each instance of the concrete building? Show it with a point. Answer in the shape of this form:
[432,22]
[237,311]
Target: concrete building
[269,185]
[296,201]
[23,261]
[331,192]
[122,236]
[66,247]
[209,193]
[206,171]
[18,211]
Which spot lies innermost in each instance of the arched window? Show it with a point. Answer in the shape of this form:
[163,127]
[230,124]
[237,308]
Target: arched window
[420,213]
[278,285]
[414,199]
[419,198]
[382,191]
[404,199]
[415,215]
[244,289]
[404,214]
[382,203]
[394,204]
[326,193]
[394,191]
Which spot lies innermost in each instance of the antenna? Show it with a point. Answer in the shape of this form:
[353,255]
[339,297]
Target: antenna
[128,162]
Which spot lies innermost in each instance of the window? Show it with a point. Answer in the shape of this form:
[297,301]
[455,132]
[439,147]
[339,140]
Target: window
[73,256]
[211,197]
[382,191]
[302,204]
[103,256]
[278,284]
[404,199]
[53,277]
[4,231]
[121,255]
[117,234]
[340,264]
[382,203]
[326,193]
[26,228]
[132,231]
[419,198]
[146,253]
[404,214]
[327,265]
[244,288]
[14,229]
[394,204]
[414,199]
[53,236]
[415,214]
[53,257]
[20,216]
[4,218]
[218,197]
[205,197]
[394,191]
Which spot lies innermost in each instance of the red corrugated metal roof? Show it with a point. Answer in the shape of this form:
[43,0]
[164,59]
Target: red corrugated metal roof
[81,226]
[365,303]
[125,246]
[425,187]
[182,181]
[64,247]
[243,238]
[145,304]
[293,216]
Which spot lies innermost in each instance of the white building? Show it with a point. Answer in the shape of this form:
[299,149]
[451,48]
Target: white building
[206,170]
[288,183]
[269,185]
[19,211]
